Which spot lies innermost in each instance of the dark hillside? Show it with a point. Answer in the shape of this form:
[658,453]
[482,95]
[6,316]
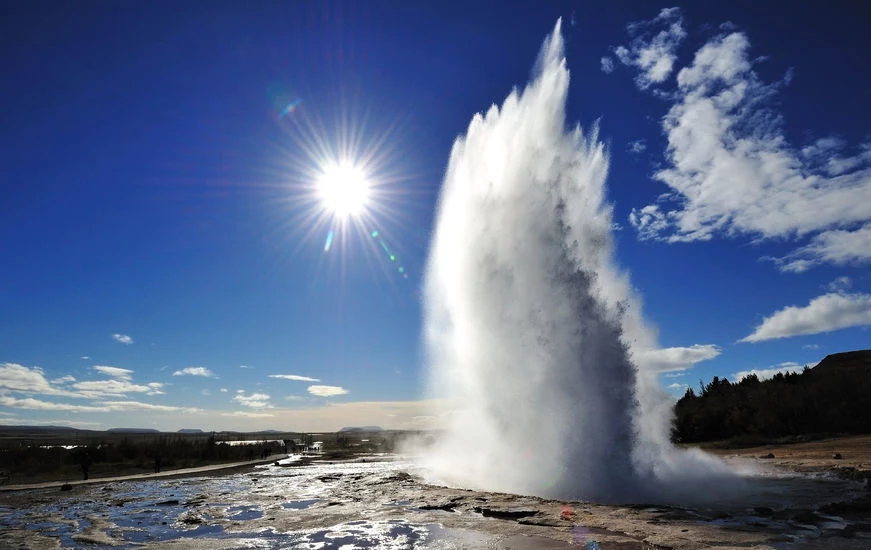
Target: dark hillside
[832,397]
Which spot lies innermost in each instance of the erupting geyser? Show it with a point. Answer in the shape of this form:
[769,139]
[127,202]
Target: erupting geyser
[535,338]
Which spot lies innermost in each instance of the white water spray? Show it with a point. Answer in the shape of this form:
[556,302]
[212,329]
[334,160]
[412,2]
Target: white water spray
[530,327]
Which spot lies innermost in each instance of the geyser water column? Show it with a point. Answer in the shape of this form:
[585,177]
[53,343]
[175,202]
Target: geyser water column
[526,322]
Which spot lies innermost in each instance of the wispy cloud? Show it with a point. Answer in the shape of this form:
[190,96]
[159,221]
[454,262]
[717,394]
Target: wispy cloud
[811,346]
[607,65]
[295,377]
[730,169]
[254,400]
[245,367]
[824,313]
[31,403]
[833,246]
[677,358]
[122,338]
[327,391]
[248,414]
[99,407]
[116,387]
[119,406]
[840,284]
[224,390]
[637,146]
[652,53]
[85,357]
[114,372]
[194,371]
[18,378]
[765,374]
[66,379]
[677,387]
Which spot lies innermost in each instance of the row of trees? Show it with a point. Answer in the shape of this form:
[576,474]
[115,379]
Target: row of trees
[834,397]
[146,453]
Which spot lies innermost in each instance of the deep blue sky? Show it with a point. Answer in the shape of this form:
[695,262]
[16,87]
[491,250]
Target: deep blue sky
[149,189]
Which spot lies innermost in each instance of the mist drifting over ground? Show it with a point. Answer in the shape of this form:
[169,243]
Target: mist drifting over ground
[531,328]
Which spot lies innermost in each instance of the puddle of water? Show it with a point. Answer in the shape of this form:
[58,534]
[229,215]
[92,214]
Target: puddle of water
[300,504]
[243,513]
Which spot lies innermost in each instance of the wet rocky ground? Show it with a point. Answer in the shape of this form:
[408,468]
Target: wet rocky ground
[383,502]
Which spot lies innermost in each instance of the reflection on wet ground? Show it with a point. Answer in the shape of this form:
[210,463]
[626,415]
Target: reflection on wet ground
[383,504]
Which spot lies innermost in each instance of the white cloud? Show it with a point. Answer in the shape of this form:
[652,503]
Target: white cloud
[194,371]
[254,401]
[731,170]
[122,338]
[607,65]
[677,387]
[115,372]
[677,358]
[765,374]
[39,405]
[327,391]
[115,387]
[294,377]
[810,346]
[823,314]
[834,246]
[64,379]
[295,398]
[99,406]
[248,414]
[120,406]
[841,283]
[653,53]
[224,390]
[85,357]
[245,367]
[18,378]
[637,146]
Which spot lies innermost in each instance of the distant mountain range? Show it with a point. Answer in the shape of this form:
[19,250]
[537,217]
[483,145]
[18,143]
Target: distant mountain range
[362,429]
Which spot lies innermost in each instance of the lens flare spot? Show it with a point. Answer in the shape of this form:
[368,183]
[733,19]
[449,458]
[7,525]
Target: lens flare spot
[329,242]
[289,108]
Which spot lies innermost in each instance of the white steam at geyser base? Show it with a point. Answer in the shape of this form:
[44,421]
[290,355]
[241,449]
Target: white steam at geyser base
[532,330]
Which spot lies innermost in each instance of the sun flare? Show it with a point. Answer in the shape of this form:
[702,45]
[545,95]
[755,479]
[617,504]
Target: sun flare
[344,190]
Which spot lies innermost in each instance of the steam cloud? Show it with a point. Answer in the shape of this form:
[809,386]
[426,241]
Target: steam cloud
[531,328]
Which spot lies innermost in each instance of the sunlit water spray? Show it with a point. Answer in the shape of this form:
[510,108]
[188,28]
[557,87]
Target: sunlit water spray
[533,333]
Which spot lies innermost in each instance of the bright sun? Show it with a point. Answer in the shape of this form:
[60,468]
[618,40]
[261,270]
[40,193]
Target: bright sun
[343,189]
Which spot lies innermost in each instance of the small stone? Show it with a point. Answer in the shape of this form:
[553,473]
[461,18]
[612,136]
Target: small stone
[837,456]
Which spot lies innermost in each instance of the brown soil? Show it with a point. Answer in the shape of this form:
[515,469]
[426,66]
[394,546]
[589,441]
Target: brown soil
[854,451]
